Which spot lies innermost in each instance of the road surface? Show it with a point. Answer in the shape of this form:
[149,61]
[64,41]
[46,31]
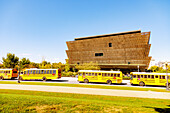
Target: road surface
[92,91]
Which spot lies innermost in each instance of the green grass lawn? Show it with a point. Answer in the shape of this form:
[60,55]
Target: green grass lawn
[87,86]
[36,101]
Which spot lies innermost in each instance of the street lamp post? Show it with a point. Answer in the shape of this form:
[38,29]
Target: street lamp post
[167,84]
[138,68]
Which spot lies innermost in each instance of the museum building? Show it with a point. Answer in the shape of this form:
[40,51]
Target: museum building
[124,50]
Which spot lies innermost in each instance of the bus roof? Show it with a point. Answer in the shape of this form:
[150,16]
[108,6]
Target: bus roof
[39,69]
[6,69]
[99,71]
[149,73]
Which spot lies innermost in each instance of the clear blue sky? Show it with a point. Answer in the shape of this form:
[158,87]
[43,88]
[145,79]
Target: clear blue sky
[40,28]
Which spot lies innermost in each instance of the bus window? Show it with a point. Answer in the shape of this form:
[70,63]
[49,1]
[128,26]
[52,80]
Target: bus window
[50,71]
[149,76]
[160,77]
[14,71]
[8,71]
[80,74]
[54,71]
[28,72]
[89,74]
[99,73]
[163,77]
[145,76]
[156,76]
[36,71]
[105,74]
[25,72]
[44,71]
[95,74]
[102,74]
[86,74]
[141,76]
[47,71]
[138,76]
[134,76]
[33,72]
[118,75]
[152,76]
[114,75]
[111,75]
[92,74]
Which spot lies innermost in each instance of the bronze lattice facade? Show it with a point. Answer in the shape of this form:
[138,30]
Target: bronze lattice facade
[125,50]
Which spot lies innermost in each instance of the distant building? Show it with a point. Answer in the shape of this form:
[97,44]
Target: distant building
[125,50]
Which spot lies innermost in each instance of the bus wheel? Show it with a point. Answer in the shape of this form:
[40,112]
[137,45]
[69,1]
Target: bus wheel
[1,77]
[109,82]
[141,83]
[86,80]
[44,79]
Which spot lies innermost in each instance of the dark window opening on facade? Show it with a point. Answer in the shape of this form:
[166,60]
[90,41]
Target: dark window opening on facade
[78,63]
[98,54]
[110,44]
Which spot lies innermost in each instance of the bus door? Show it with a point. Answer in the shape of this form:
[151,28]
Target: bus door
[156,79]
[99,76]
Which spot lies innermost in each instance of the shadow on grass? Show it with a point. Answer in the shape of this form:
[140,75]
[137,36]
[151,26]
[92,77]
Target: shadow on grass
[160,110]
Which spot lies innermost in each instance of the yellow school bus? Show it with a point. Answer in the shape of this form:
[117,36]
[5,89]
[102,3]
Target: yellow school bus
[43,74]
[8,74]
[108,77]
[144,78]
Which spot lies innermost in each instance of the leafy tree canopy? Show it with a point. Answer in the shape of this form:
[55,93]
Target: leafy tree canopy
[10,61]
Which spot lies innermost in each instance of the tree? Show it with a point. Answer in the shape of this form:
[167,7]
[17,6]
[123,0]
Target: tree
[88,66]
[67,66]
[11,61]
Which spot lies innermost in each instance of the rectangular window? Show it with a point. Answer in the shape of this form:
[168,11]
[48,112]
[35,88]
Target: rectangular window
[54,71]
[160,77]
[98,54]
[47,71]
[80,74]
[141,76]
[134,76]
[163,77]
[14,71]
[86,74]
[33,72]
[95,74]
[118,75]
[92,74]
[37,72]
[28,72]
[42,71]
[99,73]
[50,71]
[89,74]
[145,76]
[25,72]
[83,73]
[111,75]
[149,76]
[105,74]
[138,76]
[156,76]
[110,44]
[114,75]
[152,76]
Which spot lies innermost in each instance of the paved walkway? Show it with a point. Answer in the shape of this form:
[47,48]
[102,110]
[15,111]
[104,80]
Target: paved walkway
[93,91]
